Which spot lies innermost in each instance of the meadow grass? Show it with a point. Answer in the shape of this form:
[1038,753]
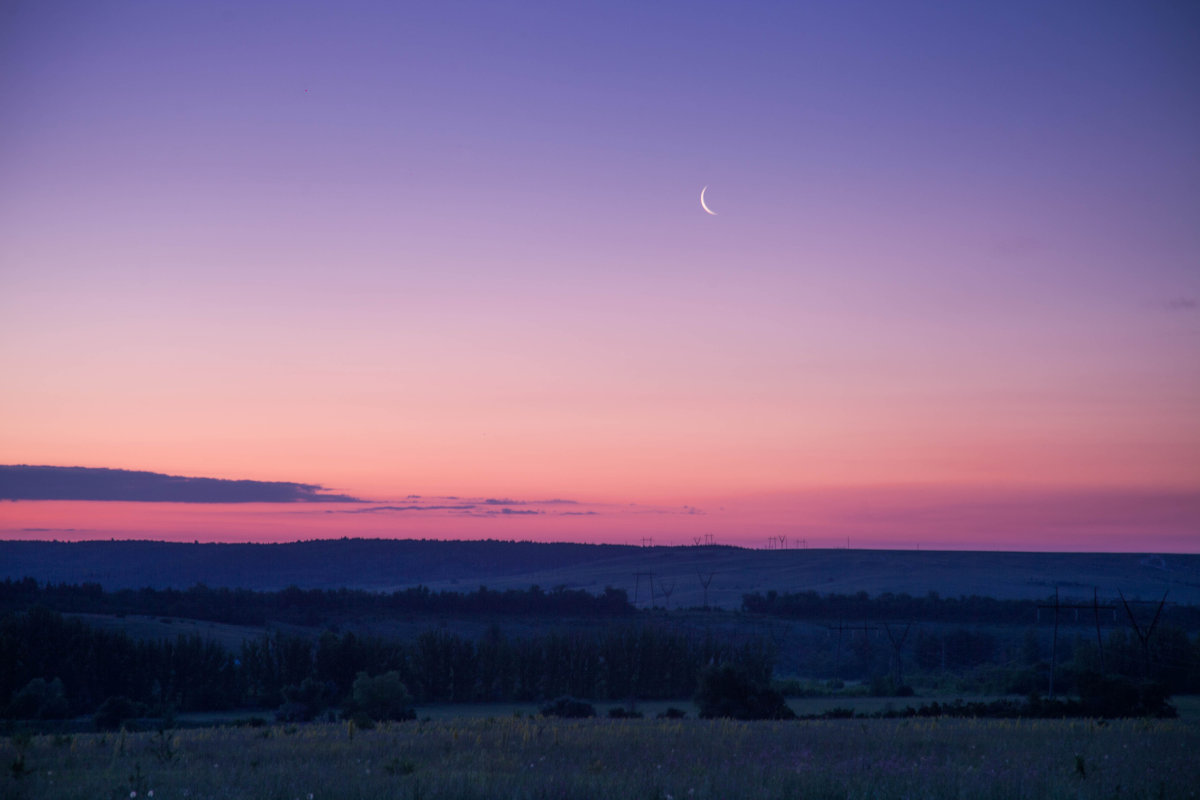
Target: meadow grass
[611,759]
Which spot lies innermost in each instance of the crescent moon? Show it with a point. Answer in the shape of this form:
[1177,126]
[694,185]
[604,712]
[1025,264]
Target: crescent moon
[702,204]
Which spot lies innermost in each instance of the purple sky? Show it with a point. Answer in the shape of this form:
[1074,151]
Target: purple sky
[456,249]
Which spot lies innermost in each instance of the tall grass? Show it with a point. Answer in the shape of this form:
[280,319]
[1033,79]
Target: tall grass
[612,759]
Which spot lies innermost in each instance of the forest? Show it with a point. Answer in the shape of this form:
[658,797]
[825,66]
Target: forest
[306,606]
[325,606]
[594,647]
[57,666]
[933,608]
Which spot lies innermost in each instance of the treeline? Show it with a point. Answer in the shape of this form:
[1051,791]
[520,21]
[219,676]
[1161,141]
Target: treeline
[1169,658]
[977,644]
[931,608]
[55,666]
[992,659]
[306,606]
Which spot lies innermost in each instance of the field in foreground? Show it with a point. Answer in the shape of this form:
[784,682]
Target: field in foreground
[612,759]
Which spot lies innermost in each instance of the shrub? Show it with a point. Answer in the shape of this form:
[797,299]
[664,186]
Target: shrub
[382,697]
[1024,680]
[886,686]
[1115,696]
[726,691]
[114,711]
[791,687]
[40,699]
[568,707]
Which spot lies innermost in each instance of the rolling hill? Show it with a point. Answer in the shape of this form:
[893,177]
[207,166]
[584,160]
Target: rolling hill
[680,572]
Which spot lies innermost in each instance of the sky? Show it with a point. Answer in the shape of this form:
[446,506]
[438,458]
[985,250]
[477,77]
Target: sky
[454,251]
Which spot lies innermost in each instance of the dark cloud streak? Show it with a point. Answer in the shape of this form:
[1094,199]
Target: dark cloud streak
[23,482]
[377,509]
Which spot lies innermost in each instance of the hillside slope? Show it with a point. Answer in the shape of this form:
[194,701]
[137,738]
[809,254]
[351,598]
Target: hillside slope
[385,565]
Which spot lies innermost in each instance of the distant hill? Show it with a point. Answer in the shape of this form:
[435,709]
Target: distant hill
[389,564]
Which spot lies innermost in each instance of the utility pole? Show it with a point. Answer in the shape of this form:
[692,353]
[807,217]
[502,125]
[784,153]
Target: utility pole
[666,591]
[1144,637]
[898,646]
[1054,642]
[842,627]
[637,583]
[705,580]
[1076,607]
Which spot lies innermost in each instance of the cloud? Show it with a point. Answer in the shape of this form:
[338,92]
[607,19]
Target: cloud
[1182,304]
[492,513]
[23,482]
[377,509]
[474,507]
[496,501]
[692,511]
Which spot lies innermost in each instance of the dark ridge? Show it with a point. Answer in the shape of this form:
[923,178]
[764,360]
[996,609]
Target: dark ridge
[321,563]
[735,573]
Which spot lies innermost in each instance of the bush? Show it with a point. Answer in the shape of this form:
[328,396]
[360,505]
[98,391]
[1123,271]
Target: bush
[569,708]
[726,691]
[672,713]
[1024,680]
[40,699]
[1115,696]
[116,710]
[792,687]
[382,697]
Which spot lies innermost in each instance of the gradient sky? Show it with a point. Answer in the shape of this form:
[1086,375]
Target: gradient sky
[456,249]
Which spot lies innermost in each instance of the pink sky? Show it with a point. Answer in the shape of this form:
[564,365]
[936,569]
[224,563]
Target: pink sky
[954,266]
[864,517]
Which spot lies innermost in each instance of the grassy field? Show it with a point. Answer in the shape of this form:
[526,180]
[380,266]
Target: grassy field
[610,759]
